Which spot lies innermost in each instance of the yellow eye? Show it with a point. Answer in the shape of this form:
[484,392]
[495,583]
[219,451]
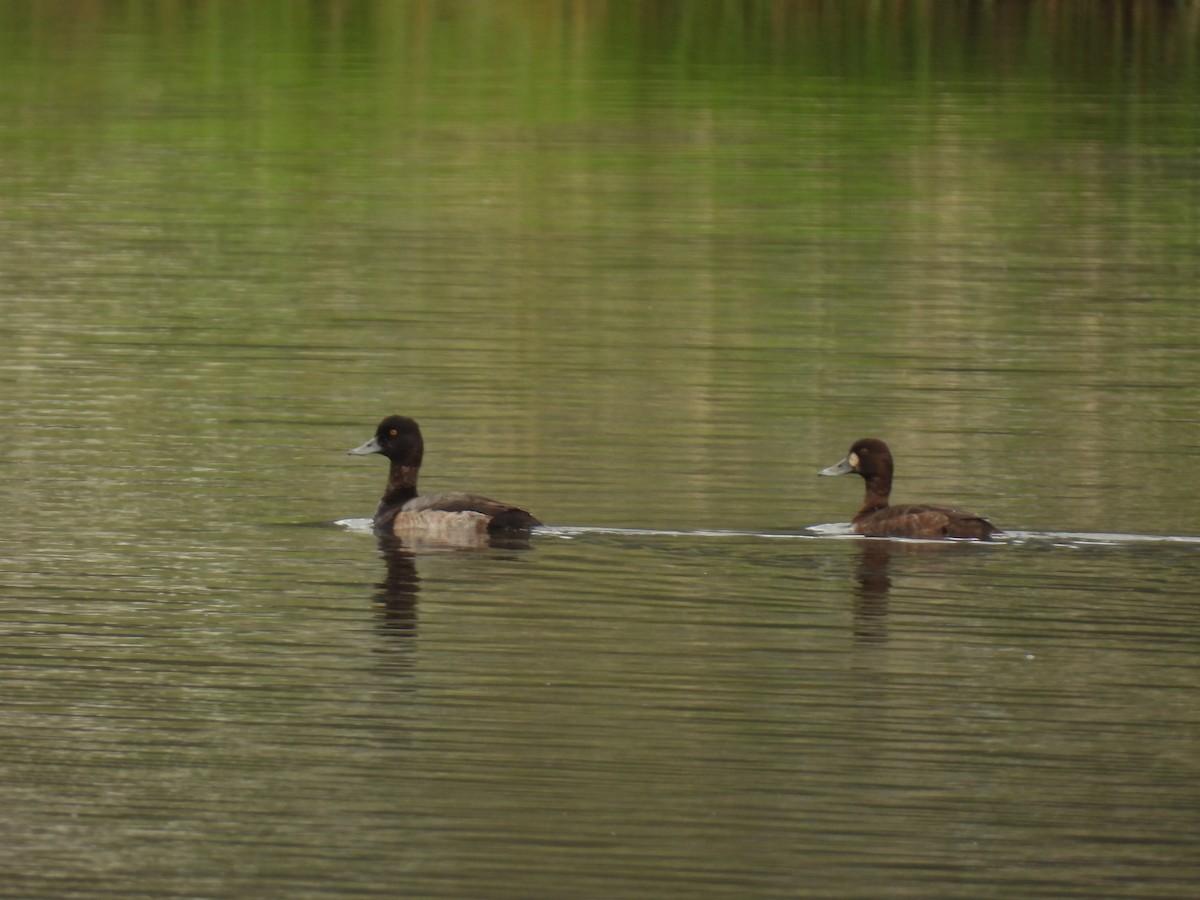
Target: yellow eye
[393,432]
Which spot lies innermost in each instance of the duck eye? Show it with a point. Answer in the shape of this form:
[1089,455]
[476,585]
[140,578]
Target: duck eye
[393,433]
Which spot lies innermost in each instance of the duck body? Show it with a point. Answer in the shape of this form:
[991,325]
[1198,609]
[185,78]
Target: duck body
[872,459]
[923,521]
[406,513]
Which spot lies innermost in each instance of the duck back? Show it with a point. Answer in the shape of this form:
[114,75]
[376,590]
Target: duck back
[923,521]
[498,516]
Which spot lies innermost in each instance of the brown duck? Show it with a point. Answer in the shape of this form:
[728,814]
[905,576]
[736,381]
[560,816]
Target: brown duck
[872,459]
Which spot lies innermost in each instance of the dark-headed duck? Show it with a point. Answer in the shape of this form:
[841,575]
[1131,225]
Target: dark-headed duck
[403,512]
[872,459]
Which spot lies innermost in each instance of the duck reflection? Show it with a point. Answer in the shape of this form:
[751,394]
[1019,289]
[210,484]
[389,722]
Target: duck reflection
[396,594]
[874,577]
[871,600]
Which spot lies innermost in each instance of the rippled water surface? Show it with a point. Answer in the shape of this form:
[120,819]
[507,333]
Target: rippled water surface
[645,269]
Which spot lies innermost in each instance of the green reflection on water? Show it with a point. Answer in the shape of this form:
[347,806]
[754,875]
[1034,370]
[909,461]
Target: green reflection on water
[727,238]
[632,264]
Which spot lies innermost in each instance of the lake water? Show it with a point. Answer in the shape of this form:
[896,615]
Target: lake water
[644,269]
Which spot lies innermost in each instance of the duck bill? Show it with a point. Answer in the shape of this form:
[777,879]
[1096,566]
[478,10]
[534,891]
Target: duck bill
[842,468]
[371,446]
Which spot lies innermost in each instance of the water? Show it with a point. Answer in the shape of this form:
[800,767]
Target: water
[644,272]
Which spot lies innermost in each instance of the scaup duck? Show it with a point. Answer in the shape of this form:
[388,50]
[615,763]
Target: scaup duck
[403,512]
[872,459]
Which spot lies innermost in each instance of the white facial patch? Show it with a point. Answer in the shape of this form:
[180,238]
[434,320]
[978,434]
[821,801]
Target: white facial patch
[853,460]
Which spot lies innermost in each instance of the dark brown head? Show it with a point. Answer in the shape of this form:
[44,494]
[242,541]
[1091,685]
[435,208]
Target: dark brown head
[869,457]
[399,439]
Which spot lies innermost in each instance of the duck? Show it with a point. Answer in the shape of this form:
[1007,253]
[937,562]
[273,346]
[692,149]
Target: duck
[872,459]
[404,512]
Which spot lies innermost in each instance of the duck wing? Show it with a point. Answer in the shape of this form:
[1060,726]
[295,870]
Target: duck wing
[504,516]
[924,521]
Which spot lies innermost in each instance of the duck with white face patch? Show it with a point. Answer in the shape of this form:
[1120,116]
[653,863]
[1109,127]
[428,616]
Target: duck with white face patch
[871,458]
